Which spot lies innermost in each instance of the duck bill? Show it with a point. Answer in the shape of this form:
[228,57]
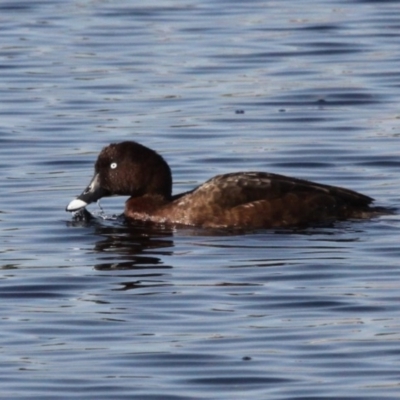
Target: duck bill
[91,194]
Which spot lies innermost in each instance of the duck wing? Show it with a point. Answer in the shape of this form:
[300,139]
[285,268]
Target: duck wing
[234,189]
[260,199]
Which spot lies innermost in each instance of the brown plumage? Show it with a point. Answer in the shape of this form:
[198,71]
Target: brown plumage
[241,199]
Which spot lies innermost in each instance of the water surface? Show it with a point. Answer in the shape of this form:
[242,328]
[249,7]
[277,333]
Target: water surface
[103,310]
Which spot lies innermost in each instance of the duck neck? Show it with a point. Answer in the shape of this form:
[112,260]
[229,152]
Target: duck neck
[145,205]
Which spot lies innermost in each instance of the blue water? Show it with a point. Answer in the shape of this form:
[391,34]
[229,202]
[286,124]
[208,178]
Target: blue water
[105,311]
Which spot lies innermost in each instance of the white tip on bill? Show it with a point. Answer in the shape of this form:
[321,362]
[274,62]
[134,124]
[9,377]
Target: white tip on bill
[75,205]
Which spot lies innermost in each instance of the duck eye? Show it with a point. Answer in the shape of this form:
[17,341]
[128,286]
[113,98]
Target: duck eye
[113,165]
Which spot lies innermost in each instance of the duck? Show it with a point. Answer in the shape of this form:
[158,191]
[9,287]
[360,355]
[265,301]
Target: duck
[245,200]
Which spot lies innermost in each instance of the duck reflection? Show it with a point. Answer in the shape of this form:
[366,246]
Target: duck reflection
[123,245]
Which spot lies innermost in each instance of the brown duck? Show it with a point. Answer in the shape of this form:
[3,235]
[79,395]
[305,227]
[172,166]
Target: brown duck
[237,200]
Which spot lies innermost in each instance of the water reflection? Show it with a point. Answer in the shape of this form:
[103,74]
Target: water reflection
[123,245]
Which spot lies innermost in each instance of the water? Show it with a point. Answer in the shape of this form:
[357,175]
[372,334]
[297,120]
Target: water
[101,310]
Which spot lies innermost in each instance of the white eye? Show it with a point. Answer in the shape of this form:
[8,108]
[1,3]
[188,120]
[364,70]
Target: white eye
[113,165]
